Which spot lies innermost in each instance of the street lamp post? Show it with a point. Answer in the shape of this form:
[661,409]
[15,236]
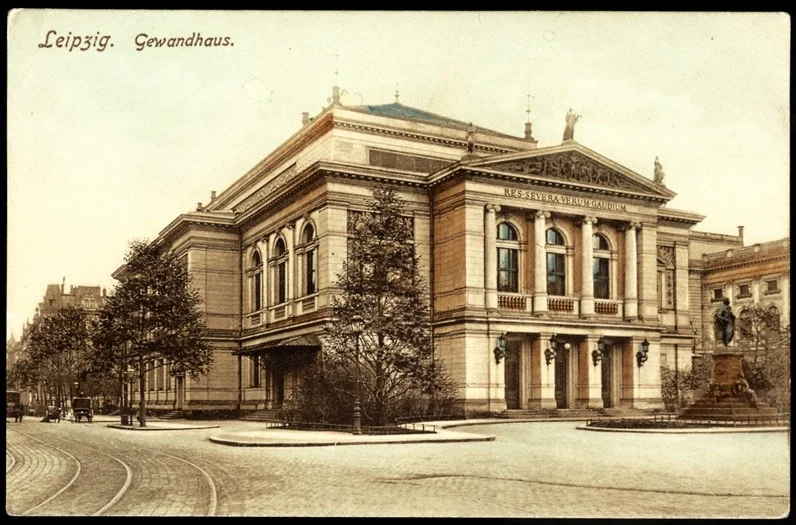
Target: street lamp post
[356,329]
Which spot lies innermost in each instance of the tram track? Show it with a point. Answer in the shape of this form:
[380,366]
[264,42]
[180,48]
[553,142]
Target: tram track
[144,455]
[13,461]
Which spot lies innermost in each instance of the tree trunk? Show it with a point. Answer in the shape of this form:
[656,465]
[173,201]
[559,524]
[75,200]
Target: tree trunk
[141,389]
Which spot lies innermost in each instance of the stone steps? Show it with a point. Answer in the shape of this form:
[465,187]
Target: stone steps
[173,414]
[262,415]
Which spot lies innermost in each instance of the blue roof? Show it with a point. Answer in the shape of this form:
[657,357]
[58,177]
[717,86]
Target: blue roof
[396,109]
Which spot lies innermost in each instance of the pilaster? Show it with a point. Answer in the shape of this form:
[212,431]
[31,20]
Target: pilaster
[590,380]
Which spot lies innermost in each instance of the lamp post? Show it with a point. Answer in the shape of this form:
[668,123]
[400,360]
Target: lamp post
[356,330]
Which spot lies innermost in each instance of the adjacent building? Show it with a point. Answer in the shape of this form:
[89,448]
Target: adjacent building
[570,259]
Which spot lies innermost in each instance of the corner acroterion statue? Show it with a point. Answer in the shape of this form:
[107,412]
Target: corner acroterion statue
[569,130]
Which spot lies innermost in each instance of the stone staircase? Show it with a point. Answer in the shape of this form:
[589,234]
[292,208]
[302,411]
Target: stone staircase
[173,414]
[261,415]
[575,413]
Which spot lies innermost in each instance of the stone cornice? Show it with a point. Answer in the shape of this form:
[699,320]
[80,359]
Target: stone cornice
[419,137]
[746,262]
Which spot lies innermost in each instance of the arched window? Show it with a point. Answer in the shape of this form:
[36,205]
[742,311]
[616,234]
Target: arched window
[556,263]
[310,248]
[773,316]
[600,267]
[744,322]
[280,272]
[257,282]
[508,258]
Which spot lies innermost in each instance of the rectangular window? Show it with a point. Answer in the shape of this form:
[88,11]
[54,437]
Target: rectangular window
[508,270]
[167,375]
[258,291]
[718,293]
[744,291]
[556,274]
[600,272]
[160,375]
[254,374]
[312,273]
[150,377]
[281,282]
[772,286]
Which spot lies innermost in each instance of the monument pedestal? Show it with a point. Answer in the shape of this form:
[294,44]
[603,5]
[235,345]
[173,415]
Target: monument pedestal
[729,397]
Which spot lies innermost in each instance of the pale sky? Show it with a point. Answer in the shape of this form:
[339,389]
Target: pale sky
[106,147]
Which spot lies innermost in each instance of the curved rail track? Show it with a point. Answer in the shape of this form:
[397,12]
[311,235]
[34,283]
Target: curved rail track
[213,490]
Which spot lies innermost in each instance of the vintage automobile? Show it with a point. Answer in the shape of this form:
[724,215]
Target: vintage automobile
[53,414]
[82,409]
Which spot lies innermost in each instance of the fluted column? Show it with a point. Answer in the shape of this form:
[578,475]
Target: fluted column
[540,263]
[587,277]
[631,272]
[490,256]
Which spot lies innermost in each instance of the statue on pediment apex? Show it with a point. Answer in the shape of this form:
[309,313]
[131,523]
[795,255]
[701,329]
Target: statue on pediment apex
[659,174]
[569,130]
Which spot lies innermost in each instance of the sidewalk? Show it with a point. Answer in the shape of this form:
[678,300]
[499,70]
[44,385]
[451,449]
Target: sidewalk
[277,437]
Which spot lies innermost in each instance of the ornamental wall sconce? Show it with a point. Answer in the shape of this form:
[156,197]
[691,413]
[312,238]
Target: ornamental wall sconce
[500,349]
[597,355]
[552,351]
[641,355]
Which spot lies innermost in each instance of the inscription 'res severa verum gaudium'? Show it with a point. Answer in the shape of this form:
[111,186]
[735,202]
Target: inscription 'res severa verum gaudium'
[564,199]
[75,42]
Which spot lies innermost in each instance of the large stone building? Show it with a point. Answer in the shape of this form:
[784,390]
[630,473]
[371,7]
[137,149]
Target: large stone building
[575,260]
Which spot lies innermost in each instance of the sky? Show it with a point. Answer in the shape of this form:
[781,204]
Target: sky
[109,139]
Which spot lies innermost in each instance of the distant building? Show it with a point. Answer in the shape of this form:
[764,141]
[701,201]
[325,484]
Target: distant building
[12,352]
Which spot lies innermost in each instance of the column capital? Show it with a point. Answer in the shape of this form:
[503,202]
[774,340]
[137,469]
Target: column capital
[494,208]
[588,219]
[542,214]
[631,226]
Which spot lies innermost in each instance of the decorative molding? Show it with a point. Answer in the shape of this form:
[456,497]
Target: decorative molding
[269,187]
[667,254]
[570,166]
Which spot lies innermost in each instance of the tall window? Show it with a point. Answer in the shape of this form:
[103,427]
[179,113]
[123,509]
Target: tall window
[508,258]
[257,282]
[254,374]
[280,277]
[556,263]
[160,374]
[600,267]
[310,247]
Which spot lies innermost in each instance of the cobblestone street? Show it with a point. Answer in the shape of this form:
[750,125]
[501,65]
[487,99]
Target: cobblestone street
[530,470]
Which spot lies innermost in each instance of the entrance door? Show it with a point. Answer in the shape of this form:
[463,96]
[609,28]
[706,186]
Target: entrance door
[279,388]
[562,377]
[179,397]
[512,379]
[607,370]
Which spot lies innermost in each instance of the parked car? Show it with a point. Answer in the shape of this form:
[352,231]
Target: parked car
[53,414]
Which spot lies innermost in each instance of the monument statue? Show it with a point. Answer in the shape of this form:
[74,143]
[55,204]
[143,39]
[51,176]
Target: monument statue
[659,174]
[724,324]
[569,130]
[470,139]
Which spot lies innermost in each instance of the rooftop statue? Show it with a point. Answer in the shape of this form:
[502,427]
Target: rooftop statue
[724,323]
[659,174]
[470,139]
[569,130]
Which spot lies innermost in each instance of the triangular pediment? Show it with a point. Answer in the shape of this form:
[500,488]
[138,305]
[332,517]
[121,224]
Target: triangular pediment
[574,165]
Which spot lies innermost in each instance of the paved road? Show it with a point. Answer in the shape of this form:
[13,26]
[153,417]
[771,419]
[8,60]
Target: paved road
[531,470]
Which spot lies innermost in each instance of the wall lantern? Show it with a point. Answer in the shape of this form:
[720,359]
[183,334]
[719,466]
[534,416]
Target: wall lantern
[597,355]
[500,349]
[552,352]
[641,355]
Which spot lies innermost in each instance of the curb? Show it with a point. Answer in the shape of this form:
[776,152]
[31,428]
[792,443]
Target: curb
[718,430]
[126,427]
[233,443]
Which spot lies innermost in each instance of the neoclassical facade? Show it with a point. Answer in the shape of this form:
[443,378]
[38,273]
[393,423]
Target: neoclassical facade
[567,261]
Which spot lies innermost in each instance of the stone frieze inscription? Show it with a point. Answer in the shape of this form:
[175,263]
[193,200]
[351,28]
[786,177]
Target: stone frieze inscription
[270,187]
